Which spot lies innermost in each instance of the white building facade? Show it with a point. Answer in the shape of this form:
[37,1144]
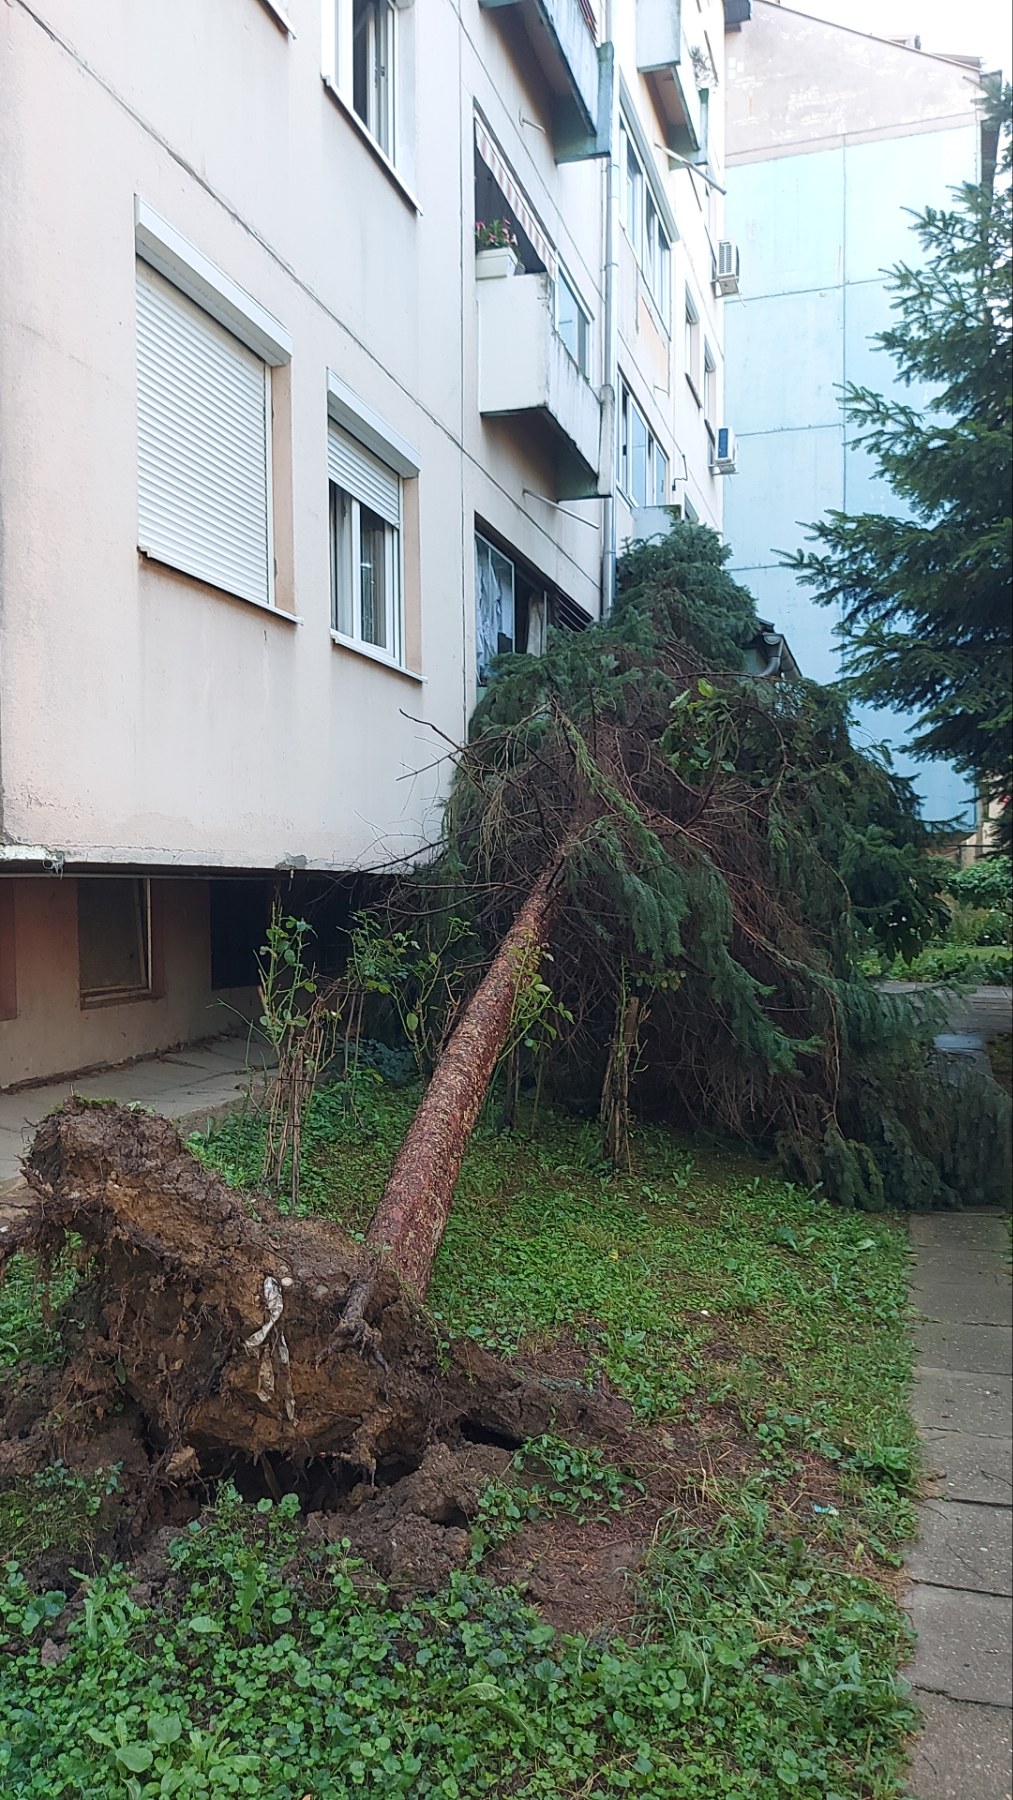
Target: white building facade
[285,459]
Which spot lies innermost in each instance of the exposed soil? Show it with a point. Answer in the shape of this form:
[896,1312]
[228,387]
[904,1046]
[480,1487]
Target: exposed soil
[206,1345]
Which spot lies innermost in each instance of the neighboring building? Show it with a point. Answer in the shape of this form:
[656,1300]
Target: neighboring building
[283,462]
[834,138]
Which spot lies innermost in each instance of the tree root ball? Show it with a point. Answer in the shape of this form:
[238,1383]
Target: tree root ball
[220,1322]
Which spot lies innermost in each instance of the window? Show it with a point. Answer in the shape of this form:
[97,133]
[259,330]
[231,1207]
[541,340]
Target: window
[8,964]
[657,260]
[365,525]
[494,594]
[204,444]
[710,386]
[573,323]
[361,63]
[240,912]
[643,465]
[641,216]
[113,939]
[692,344]
[633,193]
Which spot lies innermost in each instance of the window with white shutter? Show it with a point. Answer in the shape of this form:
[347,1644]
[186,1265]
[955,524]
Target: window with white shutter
[365,504]
[204,444]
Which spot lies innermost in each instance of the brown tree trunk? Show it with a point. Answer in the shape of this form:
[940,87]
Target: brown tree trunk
[408,1224]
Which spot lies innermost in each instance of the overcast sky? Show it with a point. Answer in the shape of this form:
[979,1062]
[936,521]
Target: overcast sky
[972,28]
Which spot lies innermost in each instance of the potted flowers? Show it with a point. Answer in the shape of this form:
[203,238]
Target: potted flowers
[495,250]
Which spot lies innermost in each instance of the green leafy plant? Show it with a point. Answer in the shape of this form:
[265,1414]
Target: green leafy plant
[497,234]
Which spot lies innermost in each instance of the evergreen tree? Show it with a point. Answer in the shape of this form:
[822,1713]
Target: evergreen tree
[700,857]
[926,598]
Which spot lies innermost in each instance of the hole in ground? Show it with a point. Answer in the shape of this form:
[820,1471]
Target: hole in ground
[321,1483]
[474,1432]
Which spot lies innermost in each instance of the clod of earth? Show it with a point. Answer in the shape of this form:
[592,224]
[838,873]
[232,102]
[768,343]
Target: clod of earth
[216,1321]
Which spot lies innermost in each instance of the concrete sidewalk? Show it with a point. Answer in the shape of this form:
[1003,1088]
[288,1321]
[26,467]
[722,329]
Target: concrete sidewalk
[960,1596]
[190,1085]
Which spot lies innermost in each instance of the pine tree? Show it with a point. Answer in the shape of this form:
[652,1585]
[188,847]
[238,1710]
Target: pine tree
[700,856]
[926,598]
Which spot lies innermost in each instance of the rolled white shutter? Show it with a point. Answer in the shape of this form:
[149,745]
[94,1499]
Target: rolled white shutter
[355,469]
[203,444]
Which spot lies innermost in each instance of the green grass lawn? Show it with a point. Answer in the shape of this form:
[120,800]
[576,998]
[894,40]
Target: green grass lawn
[760,1339]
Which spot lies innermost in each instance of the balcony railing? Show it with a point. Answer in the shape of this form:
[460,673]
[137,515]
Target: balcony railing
[577,71]
[524,368]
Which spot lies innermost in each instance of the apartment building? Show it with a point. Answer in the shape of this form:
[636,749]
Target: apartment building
[834,139]
[287,452]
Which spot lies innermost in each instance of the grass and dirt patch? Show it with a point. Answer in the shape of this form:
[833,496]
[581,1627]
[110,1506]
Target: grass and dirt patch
[703,1604]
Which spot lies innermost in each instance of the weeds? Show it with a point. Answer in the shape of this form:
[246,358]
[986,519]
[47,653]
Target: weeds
[268,1667]
[763,1664]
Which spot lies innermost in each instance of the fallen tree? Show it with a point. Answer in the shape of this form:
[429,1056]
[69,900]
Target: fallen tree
[703,856]
[218,1321]
[722,855]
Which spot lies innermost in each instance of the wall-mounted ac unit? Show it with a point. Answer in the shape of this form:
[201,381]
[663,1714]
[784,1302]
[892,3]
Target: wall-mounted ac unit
[723,459]
[726,268]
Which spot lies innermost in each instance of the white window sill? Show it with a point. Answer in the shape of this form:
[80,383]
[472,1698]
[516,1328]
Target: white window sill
[279,15]
[276,612]
[374,654]
[371,144]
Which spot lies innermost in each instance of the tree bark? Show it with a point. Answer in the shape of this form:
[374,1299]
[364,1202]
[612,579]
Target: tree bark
[408,1224]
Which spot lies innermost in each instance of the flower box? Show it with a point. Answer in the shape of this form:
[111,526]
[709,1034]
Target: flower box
[502,260]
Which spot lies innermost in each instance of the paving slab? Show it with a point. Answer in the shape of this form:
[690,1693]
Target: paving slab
[949,1400]
[191,1084]
[948,1231]
[964,1467]
[962,1545]
[975,1349]
[963,1647]
[969,1289]
[963,1752]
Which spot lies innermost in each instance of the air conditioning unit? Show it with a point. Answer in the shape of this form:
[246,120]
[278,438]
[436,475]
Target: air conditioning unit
[726,268]
[723,460]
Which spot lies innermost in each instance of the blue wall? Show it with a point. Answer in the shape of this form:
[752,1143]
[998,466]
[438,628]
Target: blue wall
[815,231]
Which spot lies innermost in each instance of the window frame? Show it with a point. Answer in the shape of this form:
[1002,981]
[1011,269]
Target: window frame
[710,388]
[691,345]
[486,544]
[357,420]
[583,358]
[160,248]
[340,71]
[656,462]
[124,994]
[345,546]
[641,209]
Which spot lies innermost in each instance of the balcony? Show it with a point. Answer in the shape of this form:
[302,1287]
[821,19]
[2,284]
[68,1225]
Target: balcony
[577,71]
[526,372]
[665,57]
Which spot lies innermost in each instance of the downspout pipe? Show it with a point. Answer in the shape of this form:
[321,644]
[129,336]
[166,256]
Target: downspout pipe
[611,332]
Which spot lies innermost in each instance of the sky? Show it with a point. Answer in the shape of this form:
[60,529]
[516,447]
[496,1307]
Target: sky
[974,28]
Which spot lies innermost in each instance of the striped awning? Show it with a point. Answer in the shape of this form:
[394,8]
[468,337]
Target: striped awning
[513,193]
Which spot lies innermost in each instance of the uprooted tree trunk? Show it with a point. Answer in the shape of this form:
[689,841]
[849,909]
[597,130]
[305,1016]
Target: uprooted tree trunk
[407,1227]
[221,1327]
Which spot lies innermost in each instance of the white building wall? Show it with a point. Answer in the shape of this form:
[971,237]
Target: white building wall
[147,720]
